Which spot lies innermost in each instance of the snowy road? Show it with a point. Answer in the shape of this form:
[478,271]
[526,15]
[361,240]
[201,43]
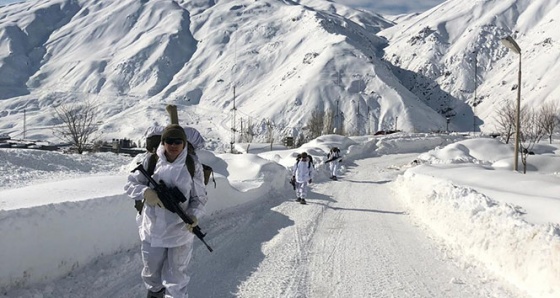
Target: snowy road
[353,239]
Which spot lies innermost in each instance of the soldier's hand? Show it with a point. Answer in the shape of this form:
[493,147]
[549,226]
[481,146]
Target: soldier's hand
[193,225]
[151,198]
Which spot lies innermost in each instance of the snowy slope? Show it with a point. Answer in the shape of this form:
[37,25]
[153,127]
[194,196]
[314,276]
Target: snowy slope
[285,60]
[436,54]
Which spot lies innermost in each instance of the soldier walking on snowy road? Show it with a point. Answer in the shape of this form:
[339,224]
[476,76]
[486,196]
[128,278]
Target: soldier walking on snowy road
[167,242]
[302,173]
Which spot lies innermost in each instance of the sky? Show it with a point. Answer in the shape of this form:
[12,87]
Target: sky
[421,215]
[394,7]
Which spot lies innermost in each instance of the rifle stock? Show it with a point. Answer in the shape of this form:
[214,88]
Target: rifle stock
[171,197]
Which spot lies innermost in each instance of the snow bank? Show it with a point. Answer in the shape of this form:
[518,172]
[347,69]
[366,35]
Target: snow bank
[45,242]
[50,229]
[487,232]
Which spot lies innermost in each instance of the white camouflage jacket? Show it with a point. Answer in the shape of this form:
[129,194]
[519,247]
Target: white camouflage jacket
[159,226]
[303,171]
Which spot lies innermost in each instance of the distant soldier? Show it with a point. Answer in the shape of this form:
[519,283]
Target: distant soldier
[302,174]
[334,157]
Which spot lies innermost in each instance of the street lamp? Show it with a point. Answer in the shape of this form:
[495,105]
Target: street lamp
[510,43]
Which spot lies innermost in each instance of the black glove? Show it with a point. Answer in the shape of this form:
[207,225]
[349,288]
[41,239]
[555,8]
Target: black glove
[138,204]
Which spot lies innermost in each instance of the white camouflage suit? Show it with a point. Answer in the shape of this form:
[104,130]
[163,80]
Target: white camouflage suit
[303,172]
[166,243]
[333,165]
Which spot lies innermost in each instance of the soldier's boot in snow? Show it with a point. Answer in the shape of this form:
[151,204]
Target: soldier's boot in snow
[158,294]
[302,201]
[298,200]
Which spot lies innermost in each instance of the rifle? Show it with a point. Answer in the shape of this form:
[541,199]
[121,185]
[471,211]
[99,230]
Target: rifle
[293,182]
[171,197]
[332,159]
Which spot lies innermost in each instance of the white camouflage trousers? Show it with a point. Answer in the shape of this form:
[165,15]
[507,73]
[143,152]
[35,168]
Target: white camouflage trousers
[166,267]
[334,167]
[301,189]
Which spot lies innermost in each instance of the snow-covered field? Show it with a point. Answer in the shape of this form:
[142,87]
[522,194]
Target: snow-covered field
[405,220]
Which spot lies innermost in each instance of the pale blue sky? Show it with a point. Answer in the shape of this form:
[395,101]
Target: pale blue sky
[390,7]
[4,2]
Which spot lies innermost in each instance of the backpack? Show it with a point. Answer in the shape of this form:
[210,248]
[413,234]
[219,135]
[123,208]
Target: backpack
[206,169]
[298,158]
[333,150]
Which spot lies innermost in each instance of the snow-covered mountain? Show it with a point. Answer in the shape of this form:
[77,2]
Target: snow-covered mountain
[440,49]
[275,62]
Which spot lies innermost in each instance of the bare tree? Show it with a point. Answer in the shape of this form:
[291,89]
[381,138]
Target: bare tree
[300,140]
[316,123]
[549,119]
[329,122]
[246,131]
[342,130]
[270,129]
[249,131]
[79,124]
[505,121]
[530,133]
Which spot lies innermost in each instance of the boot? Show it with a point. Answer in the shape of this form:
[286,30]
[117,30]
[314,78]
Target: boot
[298,200]
[302,201]
[158,294]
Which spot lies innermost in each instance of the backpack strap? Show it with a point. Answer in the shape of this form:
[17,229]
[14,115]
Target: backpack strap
[152,164]
[190,165]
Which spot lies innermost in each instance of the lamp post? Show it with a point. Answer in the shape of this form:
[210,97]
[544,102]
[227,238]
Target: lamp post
[510,43]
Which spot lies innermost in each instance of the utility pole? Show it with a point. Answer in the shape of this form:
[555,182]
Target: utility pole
[358,117]
[475,87]
[338,120]
[368,121]
[337,117]
[234,109]
[24,123]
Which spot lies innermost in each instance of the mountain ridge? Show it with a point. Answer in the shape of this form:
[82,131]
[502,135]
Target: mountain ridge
[271,63]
